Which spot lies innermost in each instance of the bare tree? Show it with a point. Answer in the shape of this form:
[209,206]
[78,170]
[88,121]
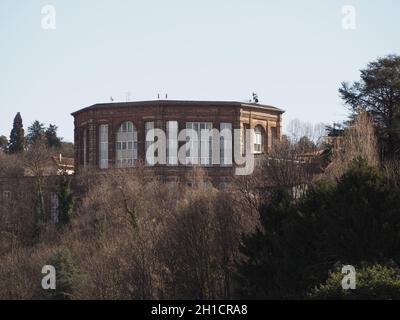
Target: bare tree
[11,165]
[358,141]
[297,130]
[35,160]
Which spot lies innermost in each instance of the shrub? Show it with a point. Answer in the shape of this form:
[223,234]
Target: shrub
[373,282]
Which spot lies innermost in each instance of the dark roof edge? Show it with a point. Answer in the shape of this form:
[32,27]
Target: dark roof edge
[166,102]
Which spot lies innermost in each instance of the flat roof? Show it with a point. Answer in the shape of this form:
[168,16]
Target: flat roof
[198,103]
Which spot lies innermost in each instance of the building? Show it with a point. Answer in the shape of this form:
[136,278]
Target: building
[18,189]
[63,165]
[113,135]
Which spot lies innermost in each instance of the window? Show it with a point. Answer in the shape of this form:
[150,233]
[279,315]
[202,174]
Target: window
[172,143]
[6,195]
[200,151]
[103,146]
[226,143]
[150,137]
[244,128]
[54,206]
[258,139]
[126,145]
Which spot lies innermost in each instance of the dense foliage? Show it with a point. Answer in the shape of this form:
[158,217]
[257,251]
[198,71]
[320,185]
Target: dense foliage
[378,93]
[373,282]
[355,220]
[65,200]
[38,132]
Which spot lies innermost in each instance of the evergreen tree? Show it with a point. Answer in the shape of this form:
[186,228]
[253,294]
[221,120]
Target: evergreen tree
[305,145]
[16,143]
[355,220]
[373,282]
[362,217]
[66,201]
[53,141]
[36,132]
[68,277]
[258,277]
[378,93]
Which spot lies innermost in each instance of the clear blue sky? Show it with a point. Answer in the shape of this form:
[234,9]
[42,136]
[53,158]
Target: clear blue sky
[293,53]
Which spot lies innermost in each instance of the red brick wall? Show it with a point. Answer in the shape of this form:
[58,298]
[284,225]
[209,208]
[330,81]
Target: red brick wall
[160,112]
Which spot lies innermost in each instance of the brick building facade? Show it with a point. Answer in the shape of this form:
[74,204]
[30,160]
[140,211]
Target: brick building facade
[104,133]
[18,200]
[114,134]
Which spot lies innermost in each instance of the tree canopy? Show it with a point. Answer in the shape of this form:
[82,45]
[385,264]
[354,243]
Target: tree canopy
[38,131]
[353,221]
[374,282]
[378,93]
[53,141]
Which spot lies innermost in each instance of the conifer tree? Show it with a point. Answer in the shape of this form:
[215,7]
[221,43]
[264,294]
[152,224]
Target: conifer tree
[17,136]
[53,141]
[68,277]
[352,221]
[378,93]
[36,132]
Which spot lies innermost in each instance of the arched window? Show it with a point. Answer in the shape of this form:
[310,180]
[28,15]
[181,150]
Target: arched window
[258,139]
[126,145]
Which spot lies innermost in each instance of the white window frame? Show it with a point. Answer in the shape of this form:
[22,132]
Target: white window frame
[258,139]
[225,145]
[150,138]
[126,145]
[172,143]
[202,146]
